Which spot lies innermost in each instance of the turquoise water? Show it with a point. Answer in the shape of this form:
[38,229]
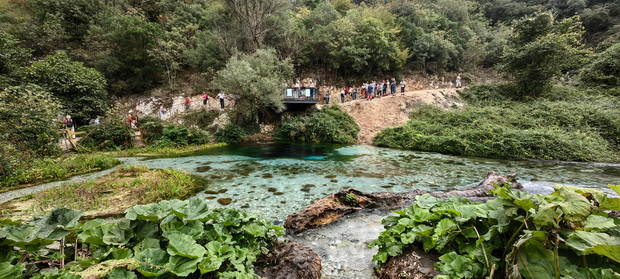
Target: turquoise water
[278,179]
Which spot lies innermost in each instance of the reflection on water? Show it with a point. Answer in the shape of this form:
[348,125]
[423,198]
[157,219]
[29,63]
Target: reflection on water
[277,179]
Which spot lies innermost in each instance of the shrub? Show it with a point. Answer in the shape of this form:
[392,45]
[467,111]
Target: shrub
[586,131]
[517,235]
[604,70]
[200,118]
[329,124]
[109,135]
[229,134]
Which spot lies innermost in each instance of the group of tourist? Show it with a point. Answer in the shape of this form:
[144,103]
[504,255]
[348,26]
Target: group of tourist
[300,86]
[368,90]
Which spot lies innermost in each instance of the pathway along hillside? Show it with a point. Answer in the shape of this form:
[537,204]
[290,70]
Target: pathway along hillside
[393,111]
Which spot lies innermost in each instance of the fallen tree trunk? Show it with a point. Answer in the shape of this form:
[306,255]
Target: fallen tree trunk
[334,206]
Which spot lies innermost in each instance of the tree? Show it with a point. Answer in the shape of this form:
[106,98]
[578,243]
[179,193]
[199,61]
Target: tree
[256,79]
[11,58]
[27,114]
[255,18]
[604,70]
[542,48]
[80,89]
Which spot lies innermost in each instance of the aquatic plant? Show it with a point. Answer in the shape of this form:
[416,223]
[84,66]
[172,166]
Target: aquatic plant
[565,234]
[170,238]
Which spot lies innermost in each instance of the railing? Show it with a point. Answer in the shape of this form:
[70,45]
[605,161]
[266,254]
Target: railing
[298,94]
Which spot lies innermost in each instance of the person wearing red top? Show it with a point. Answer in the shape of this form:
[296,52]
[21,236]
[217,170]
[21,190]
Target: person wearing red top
[187,101]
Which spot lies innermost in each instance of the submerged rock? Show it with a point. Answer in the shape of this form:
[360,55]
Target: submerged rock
[290,260]
[224,201]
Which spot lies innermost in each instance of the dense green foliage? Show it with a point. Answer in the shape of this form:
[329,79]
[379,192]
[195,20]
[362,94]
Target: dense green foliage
[517,235]
[255,80]
[540,49]
[111,134]
[571,128]
[328,124]
[51,169]
[200,118]
[229,134]
[604,70]
[81,90]
[170,238]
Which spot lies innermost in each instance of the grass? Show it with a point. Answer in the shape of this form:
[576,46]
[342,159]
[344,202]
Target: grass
[53,169]
[567,124]
[113,194]
[159,151]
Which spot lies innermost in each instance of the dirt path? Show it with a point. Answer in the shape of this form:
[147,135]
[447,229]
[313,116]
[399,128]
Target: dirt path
[393,111]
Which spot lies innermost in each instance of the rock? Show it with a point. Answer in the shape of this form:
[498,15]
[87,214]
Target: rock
[414,263]
[290,260]
[224,201]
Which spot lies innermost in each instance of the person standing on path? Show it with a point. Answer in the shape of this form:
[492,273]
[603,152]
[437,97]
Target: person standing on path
[187,101]
[326,96]
[221,96]
[403,84]
[162,112]
[205,99]
[70,125]
[458,81]
[393,86]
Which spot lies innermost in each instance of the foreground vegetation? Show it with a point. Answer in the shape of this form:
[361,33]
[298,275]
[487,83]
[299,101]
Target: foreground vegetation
[112,194]
[565,234]
[52,169]
[170,239]
[328,124]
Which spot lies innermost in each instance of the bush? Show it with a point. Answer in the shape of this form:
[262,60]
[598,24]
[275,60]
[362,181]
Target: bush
[200,118]
[566,234]
[27,116]
[604,70]
[109,135]
[229,134]
[586,131]
[329,124]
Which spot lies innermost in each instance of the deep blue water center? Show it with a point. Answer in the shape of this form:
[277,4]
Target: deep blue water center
[276,179]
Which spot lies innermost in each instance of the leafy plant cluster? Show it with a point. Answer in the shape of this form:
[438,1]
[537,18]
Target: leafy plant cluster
[579,128]
[167,239]
[328,124]
[50,169]
[566,234]
[229,134]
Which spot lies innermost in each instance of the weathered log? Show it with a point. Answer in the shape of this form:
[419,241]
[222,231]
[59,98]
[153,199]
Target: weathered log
[289,260]
[334,206]
[491,181]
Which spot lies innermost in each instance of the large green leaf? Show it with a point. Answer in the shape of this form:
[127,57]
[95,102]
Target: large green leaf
[599,223]
[209,264]
[92,233]
[595,242]
[185,246]
[56,225]
[256,230]
[118,233]
[575,206]
[149,212]
[144,229]
[8,270]
[182,266]
[193,209]
[425,201]
[156,259]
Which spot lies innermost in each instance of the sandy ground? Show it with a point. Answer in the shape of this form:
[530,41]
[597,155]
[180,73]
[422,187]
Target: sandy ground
[393,111]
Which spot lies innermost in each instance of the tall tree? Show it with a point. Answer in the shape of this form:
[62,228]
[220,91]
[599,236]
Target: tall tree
[81,90]
[255,18]
[541,48]
[256,79]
